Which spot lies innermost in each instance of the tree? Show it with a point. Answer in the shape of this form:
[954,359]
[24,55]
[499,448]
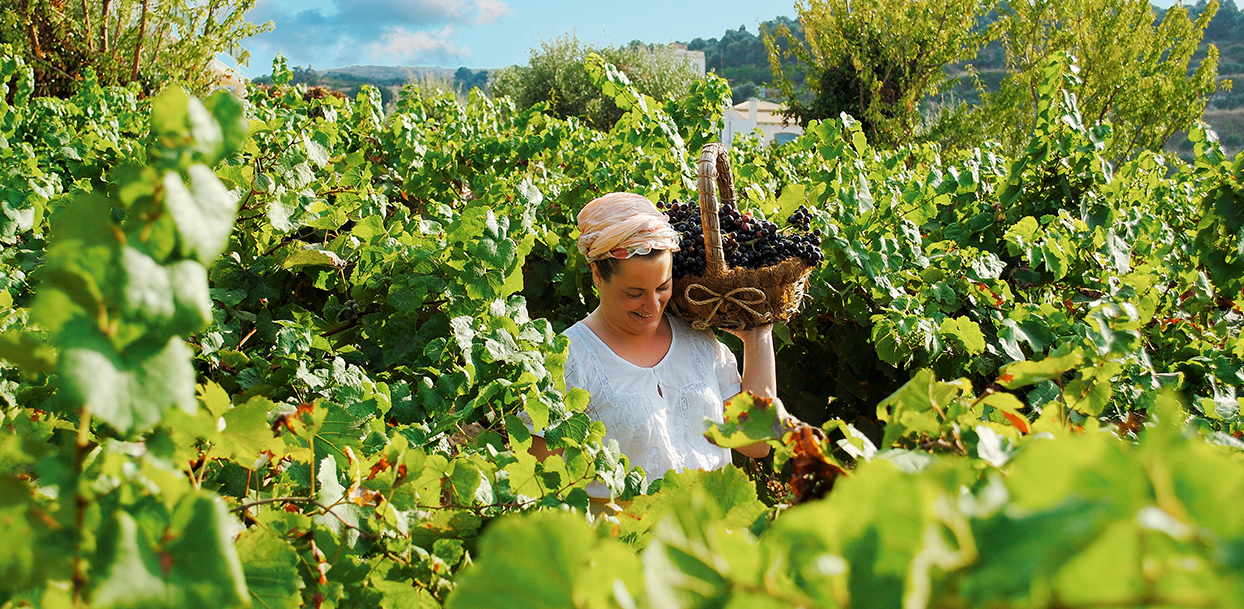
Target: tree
[1135,72]
[877,61]
[555,74]
[739,56]
[466,79]
[742,58]
[1227,24]
[126,41]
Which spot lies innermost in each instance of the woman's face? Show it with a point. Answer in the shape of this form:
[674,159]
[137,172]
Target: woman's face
[633,299]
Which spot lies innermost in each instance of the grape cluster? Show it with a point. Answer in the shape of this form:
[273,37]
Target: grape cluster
[748,242]
[690,258]
[802,220]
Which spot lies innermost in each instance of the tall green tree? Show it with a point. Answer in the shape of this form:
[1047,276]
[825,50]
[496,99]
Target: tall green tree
[1135,72]
[876,61]
[126,41]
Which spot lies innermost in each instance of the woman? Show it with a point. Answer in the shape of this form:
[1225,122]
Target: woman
[653,379]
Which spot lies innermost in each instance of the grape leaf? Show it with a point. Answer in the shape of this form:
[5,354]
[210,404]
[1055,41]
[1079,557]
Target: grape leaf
[271,567]
[748,419]
[1022,374]
[128,390]
[198,568]
[577,568]
[204,212]
[247,435]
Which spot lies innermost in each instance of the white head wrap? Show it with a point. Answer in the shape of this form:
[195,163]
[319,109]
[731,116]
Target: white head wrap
[621,225]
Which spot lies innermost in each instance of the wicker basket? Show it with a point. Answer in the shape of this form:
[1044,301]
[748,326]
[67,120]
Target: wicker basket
[733,298]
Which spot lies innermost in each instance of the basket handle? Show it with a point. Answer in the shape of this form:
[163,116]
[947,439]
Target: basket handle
[714,175]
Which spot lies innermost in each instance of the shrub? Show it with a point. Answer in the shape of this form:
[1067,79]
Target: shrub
[555,74]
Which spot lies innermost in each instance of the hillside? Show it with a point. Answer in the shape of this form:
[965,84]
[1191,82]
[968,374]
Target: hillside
[741,58]
[388,79]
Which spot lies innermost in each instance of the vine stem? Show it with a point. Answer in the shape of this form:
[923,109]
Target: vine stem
[259,502]
[276,247]
[342,328]
[311,446]
[324,509]
[80,504]
[247,337]
[414,579]
[198,483]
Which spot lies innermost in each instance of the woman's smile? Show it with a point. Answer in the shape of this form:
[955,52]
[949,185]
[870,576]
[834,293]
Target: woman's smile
[633,298]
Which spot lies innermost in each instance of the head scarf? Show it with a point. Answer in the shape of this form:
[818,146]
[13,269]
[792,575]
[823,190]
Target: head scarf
[622,224]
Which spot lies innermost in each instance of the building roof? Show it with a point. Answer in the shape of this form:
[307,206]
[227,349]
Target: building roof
[228,78]
[761,106]
[767,112]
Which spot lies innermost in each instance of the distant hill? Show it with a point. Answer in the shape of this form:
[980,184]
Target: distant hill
[391,74]
[1225,112]
[388,79]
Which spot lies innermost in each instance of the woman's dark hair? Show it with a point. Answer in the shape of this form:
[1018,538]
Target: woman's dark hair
[608,266]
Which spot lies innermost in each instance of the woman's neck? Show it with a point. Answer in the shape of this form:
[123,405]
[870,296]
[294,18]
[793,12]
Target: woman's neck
[645,350]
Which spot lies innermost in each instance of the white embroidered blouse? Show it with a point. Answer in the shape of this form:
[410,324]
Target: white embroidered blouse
[656,414]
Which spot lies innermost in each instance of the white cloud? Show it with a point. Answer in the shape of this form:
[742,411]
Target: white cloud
[406,46]
[389,31]
[401,13]
[491,10]
[406,13]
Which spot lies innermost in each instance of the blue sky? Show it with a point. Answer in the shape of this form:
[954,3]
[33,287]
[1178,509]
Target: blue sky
[481,33]
[478,33]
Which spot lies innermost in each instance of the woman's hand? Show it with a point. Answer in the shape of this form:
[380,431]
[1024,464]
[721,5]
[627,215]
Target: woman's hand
[749,334]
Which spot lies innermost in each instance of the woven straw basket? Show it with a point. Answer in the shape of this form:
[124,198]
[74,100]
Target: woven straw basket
[733,298]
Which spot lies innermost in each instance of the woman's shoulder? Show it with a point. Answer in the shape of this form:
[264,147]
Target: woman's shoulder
[686,332]
[680,327]
[580,336]
[584,349]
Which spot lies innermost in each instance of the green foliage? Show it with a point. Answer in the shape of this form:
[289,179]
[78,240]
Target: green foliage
[142,42]
[556,75]
[580,569]
[876,62]
[116,299]
[122,284]
[337,386]
[1142,516]
[747,419]
[1136,72]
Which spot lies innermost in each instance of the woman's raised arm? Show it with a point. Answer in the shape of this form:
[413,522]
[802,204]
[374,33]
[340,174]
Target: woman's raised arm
[759,372]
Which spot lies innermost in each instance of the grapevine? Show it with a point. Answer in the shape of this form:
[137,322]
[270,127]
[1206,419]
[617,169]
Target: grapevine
[315,402]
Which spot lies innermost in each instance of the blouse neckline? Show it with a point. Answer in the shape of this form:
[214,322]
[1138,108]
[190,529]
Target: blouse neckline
[664,358]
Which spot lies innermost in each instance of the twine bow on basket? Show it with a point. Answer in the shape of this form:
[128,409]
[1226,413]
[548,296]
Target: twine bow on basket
[757,297]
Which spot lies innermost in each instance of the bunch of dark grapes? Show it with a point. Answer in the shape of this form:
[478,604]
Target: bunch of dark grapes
[802,220]
[685,218]
[748,242]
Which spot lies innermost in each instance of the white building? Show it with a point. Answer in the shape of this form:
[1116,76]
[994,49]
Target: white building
[228,78]
[695,58]
[754,114]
